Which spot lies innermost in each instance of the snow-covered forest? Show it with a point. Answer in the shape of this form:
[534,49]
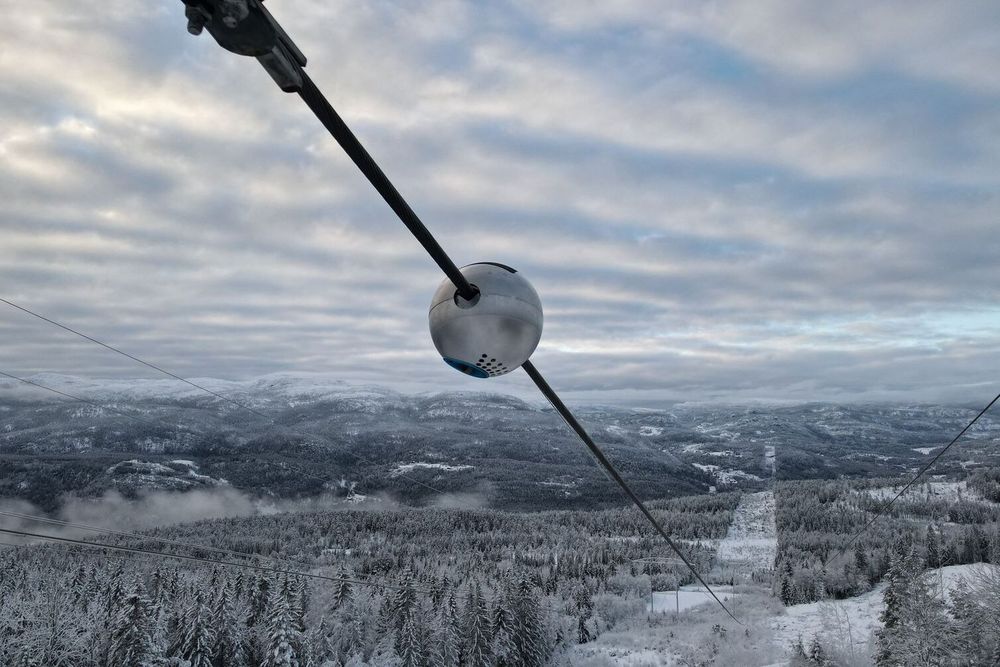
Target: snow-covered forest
[467,587]
[441,552]
[486,587]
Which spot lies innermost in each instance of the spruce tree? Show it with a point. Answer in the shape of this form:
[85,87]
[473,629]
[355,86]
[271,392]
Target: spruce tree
[342,594]
[860,560]
[230,638]
[282,636]
[446,639]
[817,655]
[933,548]
[199,635]
[503,648]
[529,634]
[403,603]
[411,652]
[477,639]
[887,636]
[132,631]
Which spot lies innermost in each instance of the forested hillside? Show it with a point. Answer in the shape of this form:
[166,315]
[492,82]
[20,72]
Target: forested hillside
[469,587]
[324,437]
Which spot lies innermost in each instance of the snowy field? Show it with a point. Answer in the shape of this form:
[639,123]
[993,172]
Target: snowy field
[851,622]
[751,541]
[724,477]
[687,597]
[404,468]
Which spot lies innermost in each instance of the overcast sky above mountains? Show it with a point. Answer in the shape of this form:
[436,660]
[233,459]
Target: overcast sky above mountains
[714,199]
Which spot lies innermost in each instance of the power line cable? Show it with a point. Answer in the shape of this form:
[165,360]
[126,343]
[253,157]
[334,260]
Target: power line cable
[196,559]
[885,506]
[324,111]
[116,350]
[149,538]
[129,416]
[94,404]
[565,413]
[109,531]
[326,114]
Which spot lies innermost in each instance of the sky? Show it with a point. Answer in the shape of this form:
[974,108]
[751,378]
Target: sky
[716,201]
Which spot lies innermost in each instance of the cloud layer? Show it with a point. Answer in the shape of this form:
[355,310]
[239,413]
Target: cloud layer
[723,199]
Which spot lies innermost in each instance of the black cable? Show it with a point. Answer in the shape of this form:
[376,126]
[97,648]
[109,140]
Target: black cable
[326,114]
[223,563]
[159,369]
[565,413]
[151,538]
[885,507]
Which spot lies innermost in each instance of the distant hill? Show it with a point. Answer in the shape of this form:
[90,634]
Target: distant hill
[325,436]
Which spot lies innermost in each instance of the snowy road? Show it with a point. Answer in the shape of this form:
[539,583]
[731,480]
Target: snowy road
[751,542]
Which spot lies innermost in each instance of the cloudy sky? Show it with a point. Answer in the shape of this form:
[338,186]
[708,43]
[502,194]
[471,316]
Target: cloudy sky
[715,200]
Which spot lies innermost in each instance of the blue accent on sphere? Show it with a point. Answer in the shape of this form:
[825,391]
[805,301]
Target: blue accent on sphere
[468,369]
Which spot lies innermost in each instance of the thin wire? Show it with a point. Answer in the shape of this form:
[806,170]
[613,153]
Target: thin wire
[116,350]
[99,406]
[151,538]
[565,413]
[159,369]
[885,507]
[133,535]
[196,559]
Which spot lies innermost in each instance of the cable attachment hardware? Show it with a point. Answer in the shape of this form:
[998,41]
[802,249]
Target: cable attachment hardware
[245,27]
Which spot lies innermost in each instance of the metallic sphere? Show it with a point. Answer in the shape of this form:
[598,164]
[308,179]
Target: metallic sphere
[493,333]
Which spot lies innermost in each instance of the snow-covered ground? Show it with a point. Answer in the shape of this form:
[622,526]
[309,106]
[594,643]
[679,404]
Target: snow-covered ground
[404,468]
[751,541]
[851,621]
[725,476]
[687,597]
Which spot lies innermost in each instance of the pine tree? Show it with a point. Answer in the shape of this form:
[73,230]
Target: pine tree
[258,600]
[970,622]
[860,560]
[503,647]
[199,635]
[282,636]
[230,639]
[817,655]
[584,610]
[787,587]
[529,633]
[411,652]
[927,632]
[933,548]
[897,585]
[447,643]
[342,595]
[403,602]
[132,631]
[477,639]
[297,593]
